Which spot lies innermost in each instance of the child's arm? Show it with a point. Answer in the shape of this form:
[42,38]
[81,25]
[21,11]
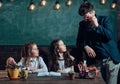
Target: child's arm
[72,68]
[43,67]
[68,69]
[11,61]
[20,62]
[62,71]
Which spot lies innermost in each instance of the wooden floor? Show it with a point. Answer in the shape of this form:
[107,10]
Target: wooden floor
[32,79]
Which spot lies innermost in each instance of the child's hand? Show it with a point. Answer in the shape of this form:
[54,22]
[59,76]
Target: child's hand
[33,68]
[11,61]
[62,71]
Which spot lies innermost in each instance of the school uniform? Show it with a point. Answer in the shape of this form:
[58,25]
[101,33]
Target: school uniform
[35,62]
[61,63]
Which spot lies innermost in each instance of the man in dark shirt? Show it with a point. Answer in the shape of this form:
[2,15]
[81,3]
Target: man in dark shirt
[95,38]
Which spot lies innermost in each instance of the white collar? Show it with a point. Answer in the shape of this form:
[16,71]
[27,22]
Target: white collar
[33,59]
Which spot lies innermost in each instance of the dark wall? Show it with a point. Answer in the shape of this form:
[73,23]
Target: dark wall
[18,25]
[118,25]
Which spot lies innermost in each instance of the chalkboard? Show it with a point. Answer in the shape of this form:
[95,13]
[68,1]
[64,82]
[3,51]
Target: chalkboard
[18,25]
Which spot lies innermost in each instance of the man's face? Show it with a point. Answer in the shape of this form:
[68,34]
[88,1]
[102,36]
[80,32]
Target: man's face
[88,16]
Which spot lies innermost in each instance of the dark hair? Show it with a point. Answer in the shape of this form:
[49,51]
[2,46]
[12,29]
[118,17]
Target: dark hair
[54,56]
[85,8]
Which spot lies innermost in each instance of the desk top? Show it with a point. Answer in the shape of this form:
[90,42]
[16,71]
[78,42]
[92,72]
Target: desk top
[33,79]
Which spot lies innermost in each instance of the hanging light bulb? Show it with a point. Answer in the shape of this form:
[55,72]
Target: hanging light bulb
[31,6]
[1,4]
[102,2]
[69,2]
[113,4]
[57,5]
[43,2]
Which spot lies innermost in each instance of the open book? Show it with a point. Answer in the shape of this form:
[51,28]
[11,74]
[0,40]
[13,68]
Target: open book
[49,74]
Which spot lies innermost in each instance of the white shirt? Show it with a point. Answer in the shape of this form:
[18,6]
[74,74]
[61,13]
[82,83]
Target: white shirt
[34,62]
[61,63]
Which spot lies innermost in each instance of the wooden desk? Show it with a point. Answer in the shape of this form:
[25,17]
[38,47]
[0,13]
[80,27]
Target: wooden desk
[33,79]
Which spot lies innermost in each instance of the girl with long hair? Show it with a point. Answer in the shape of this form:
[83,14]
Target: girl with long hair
[30,59]
[61,60]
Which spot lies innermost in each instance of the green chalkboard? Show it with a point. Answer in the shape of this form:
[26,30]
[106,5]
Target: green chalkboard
[18,25]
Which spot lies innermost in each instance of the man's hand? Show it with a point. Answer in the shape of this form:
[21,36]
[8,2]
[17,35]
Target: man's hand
[94,21]
[90,52]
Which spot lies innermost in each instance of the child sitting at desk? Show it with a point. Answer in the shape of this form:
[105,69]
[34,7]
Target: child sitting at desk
[30,59]
[61,60]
